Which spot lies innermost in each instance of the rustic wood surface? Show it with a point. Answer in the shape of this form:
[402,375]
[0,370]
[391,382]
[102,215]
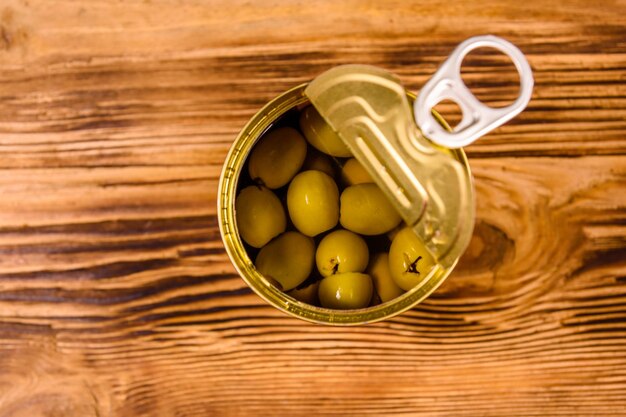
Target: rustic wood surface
[116,295]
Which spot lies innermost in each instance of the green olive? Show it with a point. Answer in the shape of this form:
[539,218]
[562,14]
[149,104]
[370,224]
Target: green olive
[341,251]
[318,161]
[346,291]
[385,286]
[313,202]
[320,135]
[307,294]
[353,173]
[277,157]
[260,215]
[366,210]
[288,259]
[409,260]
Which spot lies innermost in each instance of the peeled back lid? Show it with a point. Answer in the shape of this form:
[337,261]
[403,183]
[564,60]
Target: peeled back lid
[432,191]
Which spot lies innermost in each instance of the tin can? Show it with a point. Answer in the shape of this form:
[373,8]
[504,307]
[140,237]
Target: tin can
[441,213]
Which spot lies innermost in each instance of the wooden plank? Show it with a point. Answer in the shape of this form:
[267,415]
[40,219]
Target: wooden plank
[116,295]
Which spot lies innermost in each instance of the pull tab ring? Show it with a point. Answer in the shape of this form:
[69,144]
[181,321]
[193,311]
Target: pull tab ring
[478,118]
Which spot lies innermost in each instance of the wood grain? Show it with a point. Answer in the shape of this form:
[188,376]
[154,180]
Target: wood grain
[116,295]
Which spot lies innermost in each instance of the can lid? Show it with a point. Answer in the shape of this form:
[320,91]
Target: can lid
[369,109]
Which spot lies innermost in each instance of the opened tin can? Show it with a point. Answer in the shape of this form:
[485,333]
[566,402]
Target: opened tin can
[407,149]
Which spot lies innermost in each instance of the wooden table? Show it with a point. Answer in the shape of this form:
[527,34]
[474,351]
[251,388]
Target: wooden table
[116,295]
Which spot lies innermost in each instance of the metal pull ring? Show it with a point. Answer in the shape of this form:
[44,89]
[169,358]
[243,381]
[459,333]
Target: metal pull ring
[478,118]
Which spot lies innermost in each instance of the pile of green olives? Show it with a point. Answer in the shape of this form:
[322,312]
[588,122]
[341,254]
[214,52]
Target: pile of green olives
[316,224]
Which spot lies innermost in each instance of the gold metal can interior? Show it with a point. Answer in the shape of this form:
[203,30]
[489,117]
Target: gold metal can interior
[227,188]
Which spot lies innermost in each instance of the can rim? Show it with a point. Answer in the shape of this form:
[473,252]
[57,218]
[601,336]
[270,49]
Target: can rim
[238,255]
